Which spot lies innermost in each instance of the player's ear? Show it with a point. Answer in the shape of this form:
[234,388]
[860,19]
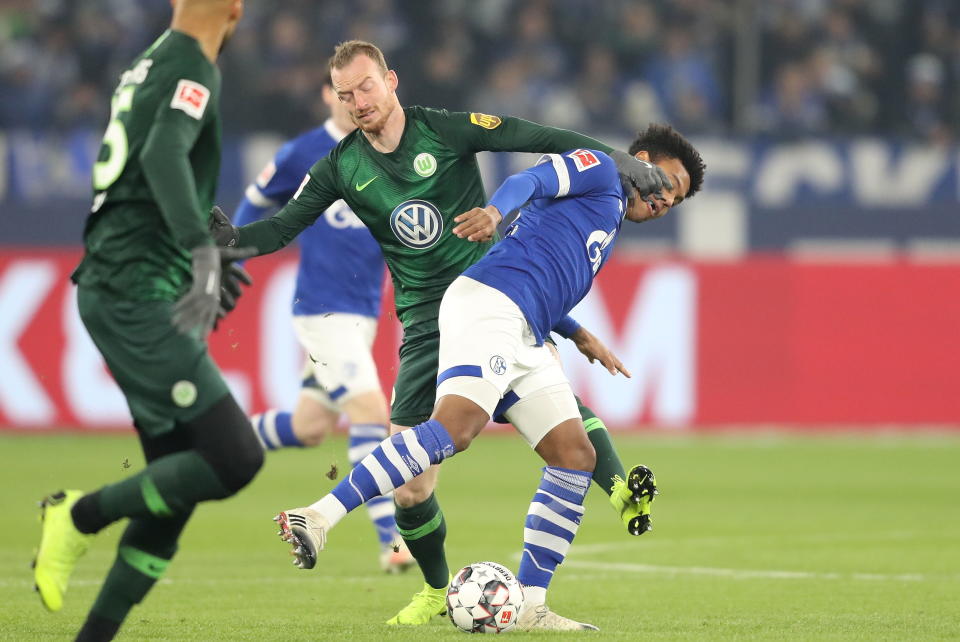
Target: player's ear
[643,155]
[328,95]
[391,79]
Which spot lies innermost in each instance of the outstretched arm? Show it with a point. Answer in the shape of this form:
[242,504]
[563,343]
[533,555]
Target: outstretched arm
[316,193]
[473,132]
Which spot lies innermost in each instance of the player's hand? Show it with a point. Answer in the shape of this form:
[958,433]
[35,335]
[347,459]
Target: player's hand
[197,310]
[595,350]
[647,179]
[233,276]
[479,224]
[224,232]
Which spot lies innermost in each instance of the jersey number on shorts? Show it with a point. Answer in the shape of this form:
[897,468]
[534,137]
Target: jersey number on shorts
[107,171]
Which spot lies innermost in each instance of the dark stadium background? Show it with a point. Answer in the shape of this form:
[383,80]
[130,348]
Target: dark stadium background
[813,282]
[792,330]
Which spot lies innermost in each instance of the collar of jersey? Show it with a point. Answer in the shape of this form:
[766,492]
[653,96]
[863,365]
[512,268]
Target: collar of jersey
[335,132]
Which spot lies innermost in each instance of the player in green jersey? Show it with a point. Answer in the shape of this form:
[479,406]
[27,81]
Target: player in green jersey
[149,290]
[407,174]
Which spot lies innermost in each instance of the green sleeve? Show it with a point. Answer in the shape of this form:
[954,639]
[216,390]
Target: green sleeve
[317,192]
[474,132]
[165,159]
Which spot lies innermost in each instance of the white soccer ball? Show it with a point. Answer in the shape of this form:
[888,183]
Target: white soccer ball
[484,597]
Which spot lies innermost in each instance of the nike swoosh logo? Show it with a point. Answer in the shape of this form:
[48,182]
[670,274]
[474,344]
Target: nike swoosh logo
[361,187]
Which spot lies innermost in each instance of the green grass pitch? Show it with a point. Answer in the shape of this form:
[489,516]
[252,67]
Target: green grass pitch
[755,537]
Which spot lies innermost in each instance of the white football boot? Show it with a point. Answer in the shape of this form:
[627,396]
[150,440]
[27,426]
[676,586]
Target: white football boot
[541,618]
[306,530]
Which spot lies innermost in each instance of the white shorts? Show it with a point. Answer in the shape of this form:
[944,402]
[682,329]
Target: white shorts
[488,354]
[339,362]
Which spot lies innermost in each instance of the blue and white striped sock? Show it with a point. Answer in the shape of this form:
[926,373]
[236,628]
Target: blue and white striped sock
[393,463]
[551,525]
[364,438]
[274,429]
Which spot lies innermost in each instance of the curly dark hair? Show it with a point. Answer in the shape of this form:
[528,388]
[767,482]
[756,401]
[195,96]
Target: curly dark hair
[663,141]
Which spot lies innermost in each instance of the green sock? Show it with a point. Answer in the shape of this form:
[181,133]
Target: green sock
[124,587]
[424,531]
[608,462]
[168,486]
[143,554]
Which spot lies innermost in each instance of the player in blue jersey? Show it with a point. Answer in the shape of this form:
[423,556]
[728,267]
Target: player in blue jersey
[493,321]
[335,306]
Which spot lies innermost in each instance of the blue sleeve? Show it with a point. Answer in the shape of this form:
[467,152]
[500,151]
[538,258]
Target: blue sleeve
[582,171]
[573,173]
[271,188]
[247,212]
[566,327]
[279,179]
[514,192]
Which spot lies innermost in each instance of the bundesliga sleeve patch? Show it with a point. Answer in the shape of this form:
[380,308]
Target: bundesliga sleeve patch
[584,159]
[485,120]
[191,98]
[266,174]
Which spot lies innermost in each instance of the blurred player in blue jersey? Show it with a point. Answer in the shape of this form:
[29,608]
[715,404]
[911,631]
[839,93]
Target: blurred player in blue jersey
[493,322]
[336,306]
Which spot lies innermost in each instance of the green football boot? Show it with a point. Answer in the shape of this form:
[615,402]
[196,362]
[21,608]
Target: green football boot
[423,607]
[61,545]
[632,498]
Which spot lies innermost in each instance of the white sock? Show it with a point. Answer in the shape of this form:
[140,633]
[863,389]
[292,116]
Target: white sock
[534,596]
[331,508]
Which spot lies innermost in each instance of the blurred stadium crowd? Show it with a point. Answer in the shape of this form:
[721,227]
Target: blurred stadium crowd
[812,66]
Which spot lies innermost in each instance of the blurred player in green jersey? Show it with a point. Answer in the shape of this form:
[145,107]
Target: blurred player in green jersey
[407,173]
[149,291]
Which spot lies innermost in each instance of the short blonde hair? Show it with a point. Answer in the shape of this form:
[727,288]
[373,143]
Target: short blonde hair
[345,52]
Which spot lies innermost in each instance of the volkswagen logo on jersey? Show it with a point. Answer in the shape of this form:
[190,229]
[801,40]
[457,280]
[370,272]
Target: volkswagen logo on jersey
[497,364]
[416,224]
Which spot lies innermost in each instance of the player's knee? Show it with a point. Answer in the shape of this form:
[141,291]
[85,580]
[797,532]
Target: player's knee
[405,496]
[587,458]
[246,461]
[367,408]
[312,421]
[417,490]
[582,457]
[462,418]
[310,431]
[573,451]
[224,438]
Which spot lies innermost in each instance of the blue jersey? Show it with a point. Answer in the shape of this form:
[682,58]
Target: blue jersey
[341,266]
[548,257]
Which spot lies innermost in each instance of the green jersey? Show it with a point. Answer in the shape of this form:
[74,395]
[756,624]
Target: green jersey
[156,174]
[409,197]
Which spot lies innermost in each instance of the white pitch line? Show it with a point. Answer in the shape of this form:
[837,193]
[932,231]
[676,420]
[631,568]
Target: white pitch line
[743,574]
[646,542]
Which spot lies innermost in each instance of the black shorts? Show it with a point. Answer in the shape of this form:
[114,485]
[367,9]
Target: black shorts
[166,376]
[415,388]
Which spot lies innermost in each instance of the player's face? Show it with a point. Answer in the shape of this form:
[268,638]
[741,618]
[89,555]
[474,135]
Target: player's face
[366,92]
[639,210]
[338,111]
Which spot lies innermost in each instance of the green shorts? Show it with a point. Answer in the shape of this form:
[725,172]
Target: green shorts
[415,388]
[166,376]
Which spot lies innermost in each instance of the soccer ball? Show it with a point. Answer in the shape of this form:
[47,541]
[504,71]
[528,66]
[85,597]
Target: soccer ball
[484,597]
